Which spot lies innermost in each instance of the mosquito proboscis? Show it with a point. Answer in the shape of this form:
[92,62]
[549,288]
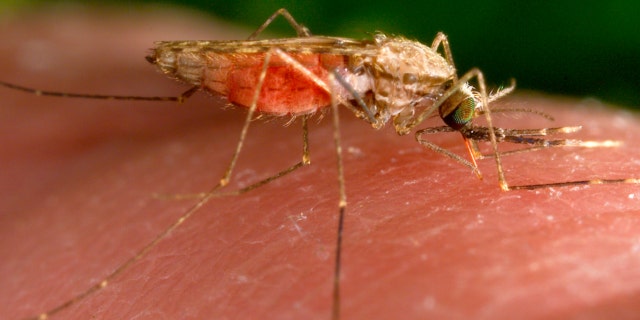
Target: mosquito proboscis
[381,80]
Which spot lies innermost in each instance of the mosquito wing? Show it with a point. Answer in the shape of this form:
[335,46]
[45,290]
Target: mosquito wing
[314,44]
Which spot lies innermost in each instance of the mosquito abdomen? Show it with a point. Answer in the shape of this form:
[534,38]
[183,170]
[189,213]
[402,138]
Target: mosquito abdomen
[285,90]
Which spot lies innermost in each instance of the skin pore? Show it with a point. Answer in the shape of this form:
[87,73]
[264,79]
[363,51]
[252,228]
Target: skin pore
[424,238]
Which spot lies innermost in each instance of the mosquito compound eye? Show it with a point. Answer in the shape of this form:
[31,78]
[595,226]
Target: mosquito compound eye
[409,78]
[462,114]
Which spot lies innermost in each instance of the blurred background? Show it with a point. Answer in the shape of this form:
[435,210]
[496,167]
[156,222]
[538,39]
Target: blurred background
[575,48]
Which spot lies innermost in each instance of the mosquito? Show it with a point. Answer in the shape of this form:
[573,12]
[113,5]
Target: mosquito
[380,80]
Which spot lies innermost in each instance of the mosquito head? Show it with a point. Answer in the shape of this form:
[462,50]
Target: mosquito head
[459,109]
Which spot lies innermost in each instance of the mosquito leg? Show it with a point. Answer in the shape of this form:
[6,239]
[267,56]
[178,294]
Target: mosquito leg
[335,314]
[301,30]
[245,128]
[443,151]
[366,111]
[575,183]
[181,98]
[442,40]
[449,154]
[306,160]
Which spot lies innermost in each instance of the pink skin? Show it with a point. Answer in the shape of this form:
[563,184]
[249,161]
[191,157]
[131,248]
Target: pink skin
[423,237]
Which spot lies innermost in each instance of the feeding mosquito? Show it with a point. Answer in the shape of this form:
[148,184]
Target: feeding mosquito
[387,79]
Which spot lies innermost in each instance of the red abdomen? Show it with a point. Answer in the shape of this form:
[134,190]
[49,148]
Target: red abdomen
[285,89]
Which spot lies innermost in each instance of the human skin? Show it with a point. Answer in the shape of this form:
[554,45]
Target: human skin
[423,238]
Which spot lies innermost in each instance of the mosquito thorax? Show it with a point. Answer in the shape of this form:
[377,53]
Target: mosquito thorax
[406,72]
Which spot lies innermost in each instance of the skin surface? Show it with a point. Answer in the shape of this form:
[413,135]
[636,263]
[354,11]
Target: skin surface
[423,237]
